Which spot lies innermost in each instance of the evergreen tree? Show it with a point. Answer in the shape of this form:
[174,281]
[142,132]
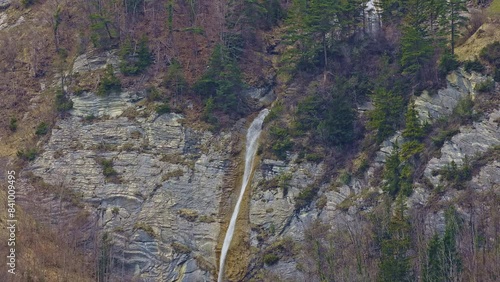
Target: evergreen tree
[413,129]
[315,26]
[433,270]
[392,10]
[132,62]
[394,262]
[443,260]
[338,126]
[452,265]
[386,115]
[222,81]
[392,172]
[455,20]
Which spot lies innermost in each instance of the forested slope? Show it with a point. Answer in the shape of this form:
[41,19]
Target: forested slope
[125,121]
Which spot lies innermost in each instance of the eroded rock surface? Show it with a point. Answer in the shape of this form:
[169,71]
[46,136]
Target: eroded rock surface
[160,170]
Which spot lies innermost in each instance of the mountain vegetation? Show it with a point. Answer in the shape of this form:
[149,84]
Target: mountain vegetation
[346,82]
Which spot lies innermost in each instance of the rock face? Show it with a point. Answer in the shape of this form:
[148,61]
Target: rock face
[155,185]
[160,196]
[470,142]
[113,105]
[460,84]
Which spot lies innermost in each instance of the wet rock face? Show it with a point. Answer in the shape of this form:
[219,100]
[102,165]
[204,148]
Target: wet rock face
[155,183]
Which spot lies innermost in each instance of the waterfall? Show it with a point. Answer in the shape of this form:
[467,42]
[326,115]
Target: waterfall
[253,134]
[372,17]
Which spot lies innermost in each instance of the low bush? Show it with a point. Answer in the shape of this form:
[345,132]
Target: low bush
[486,86]
[271,259]
[13,124]
[491,53]
[63,103]
[107,168]
[109,82]
[473,66]
[448,63]
[163,109]
[27,154]
[42,129]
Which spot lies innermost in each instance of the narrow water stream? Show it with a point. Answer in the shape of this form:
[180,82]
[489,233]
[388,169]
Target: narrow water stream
[253,134]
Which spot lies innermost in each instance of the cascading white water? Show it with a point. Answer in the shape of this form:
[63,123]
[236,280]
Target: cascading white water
[253,134]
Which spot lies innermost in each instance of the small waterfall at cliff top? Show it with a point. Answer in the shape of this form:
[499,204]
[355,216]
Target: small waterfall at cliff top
[253,134]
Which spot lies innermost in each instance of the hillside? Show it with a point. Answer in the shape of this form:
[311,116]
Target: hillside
[126,122]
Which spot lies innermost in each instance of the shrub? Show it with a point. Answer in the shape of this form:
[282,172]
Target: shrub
[447,63]
[473,66]
[456,175]
[145,227]
[163,109]
[63,103]
[109,82]
[314,157]
[281,141]
[442,136]
[271,259]
[175,79]
[13,124]
[305,197]
[42,129]
[491,53]
[132,62]
[27,3]
[27,154]
[465,108]
[107,168]
[485,86]
[496,74]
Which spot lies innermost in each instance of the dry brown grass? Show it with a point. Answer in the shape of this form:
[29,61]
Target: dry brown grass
[486,34]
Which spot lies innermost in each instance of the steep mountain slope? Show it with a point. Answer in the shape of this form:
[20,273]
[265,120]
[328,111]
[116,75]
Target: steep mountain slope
[125,124]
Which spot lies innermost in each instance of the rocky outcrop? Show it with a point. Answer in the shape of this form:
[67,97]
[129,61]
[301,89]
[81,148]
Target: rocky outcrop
[88,62]
[472,141]
[460,84]
[159,198]
[89,105]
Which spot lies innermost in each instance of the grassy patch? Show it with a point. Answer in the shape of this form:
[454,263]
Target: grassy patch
[494,8]
[175,173]
[145,227]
